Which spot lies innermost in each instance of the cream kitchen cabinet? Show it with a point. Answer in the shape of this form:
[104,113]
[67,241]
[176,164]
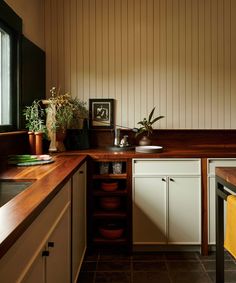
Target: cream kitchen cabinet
[212,164]
[43,252]
[78,220]
[166,201]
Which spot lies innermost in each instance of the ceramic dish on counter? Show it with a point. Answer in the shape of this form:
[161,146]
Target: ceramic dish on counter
[149,149]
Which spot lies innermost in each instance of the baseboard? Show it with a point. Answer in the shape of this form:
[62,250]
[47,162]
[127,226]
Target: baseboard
[166,248]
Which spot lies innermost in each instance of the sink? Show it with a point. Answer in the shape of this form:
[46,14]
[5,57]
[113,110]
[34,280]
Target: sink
[120,148]
[149,149]
[11,188]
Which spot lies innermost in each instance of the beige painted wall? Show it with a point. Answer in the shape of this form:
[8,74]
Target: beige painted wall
[179,55]
[32,14]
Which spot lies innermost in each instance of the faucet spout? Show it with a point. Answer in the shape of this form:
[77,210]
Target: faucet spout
[117,137]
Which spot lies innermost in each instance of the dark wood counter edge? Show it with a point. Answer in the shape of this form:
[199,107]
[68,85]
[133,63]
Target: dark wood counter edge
[185,152]
[8,238]
[228,174]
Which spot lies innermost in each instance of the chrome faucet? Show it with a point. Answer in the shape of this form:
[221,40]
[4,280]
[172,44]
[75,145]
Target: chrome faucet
[124,141]
[117,137]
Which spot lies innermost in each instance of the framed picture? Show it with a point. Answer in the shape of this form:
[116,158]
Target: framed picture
[101,113]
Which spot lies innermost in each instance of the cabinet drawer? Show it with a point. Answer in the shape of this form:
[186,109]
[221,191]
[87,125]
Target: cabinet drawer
[166,166]
[24,251]
[213,163]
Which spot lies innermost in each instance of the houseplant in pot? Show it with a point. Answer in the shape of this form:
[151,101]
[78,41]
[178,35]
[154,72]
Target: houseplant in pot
[63,112]
[35,123]
[146,128]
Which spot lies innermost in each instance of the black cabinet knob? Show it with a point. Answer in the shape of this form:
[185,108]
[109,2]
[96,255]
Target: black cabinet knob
[45,253]
[51,244]
[163,179]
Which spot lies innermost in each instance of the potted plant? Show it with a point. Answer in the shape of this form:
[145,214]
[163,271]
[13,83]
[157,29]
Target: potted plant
[146,128]
[63,112]
[35,117]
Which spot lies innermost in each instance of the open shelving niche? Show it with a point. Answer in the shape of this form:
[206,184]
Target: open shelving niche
[98,216]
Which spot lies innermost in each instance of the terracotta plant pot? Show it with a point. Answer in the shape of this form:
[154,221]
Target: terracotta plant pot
[38,143]
[31,136]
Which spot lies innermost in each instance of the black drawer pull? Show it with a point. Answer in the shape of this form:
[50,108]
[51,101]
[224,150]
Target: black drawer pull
[45,253]
[51,244]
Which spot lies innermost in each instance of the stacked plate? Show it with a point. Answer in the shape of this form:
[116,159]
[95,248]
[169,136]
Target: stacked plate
[149,149]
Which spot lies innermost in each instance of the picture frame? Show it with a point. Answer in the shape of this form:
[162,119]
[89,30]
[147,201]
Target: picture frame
[101,113]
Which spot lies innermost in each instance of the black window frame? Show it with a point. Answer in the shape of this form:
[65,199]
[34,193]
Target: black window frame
[12,24]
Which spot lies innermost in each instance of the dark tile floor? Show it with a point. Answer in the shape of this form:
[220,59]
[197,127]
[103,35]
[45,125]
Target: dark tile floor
[168,267]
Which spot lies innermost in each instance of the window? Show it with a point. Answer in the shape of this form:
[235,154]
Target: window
[10,34]
[8,94]
[5,78]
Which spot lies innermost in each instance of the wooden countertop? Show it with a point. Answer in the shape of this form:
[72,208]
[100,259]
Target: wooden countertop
[227,173]
[201,151]
[19,213]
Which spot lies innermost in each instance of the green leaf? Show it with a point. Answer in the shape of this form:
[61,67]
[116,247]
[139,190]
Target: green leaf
[156,119]
[151,114]
[140,131]
[140,123]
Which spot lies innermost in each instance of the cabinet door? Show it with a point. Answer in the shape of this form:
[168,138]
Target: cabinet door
[24,256]
[78,220]
[36,272]
[184,219]
[149,210]
[58,261]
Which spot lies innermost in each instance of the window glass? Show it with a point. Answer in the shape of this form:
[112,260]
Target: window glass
[5,78]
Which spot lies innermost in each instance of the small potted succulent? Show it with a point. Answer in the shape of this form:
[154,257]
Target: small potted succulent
[146,128]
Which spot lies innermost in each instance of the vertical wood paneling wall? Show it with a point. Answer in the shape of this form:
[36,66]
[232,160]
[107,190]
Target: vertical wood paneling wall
[177,55]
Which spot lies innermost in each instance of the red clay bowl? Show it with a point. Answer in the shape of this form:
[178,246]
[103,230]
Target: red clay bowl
[109,187]
[111,232]
[110,203]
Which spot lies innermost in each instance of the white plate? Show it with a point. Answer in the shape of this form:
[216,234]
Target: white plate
[149,149]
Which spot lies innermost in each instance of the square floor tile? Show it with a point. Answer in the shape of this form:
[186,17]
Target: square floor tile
[212,256]
[181,255]
[115,256]
[211,265]
[89,266]
[91,256]
[189,277]
[149,266]
[86,277]
[186,266]
[113,266]
[230,276]
[151,277]
[113,277]
[148,256]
